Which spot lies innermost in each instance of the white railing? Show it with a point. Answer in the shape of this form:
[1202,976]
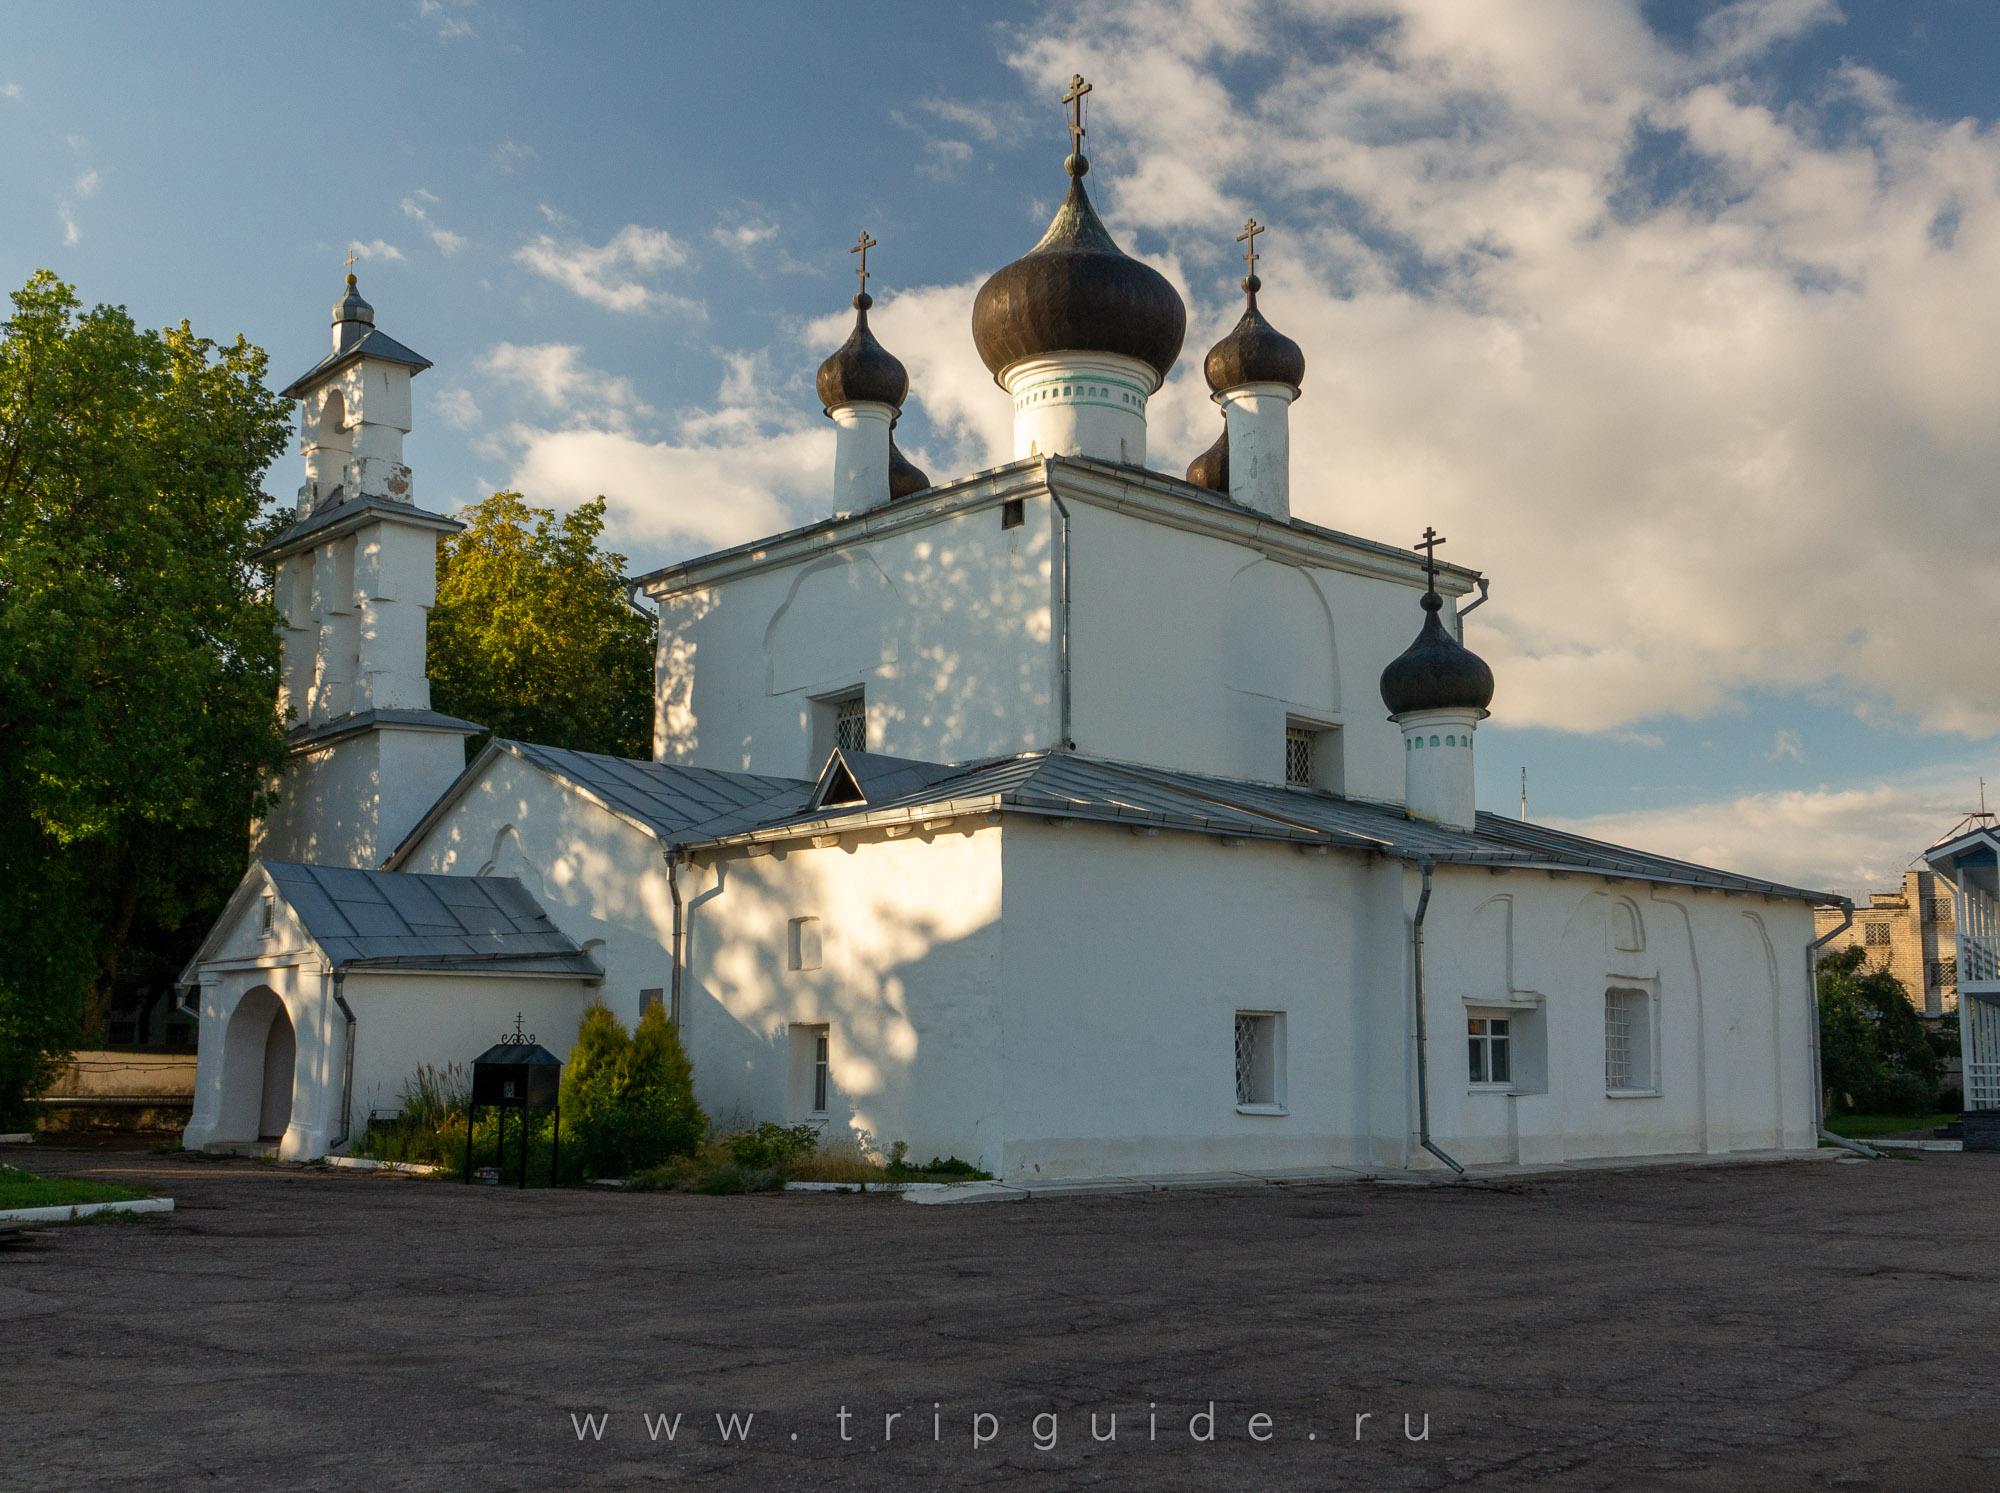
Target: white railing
[1979,1039]
[1978,937]
[1982,1085]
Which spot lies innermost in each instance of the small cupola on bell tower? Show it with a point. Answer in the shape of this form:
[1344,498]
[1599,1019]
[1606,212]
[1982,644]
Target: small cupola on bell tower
[862,388]
[1255,374]
[1437,690]
[1077,332]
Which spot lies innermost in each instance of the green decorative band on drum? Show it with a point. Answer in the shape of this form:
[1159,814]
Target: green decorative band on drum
[1116,393]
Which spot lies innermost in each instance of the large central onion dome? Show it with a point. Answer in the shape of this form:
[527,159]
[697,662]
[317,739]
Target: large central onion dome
[1077,291]
[1436,672]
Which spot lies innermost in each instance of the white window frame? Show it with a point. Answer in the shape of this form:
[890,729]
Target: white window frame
[1642,1032]
[1477,1017]
[1259,1075]
[809,1082]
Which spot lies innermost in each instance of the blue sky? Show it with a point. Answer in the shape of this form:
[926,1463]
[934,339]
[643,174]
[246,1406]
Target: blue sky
[1674,316]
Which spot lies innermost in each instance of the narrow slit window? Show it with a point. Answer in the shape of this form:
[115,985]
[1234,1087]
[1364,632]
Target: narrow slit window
[820,1046]
[1299,752]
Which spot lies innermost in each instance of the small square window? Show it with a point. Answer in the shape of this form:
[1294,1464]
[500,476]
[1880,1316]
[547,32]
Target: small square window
[1875,933]
[1490,1048]
[850,724]
[1260,1084]
[802,944]
[1299,745]
[1013,513]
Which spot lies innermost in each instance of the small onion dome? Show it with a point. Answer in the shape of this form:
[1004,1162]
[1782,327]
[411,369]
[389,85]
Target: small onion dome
[1436,672]
[1077,291]
[1255,352]
[351,307]
[1211,468]
[905,476]
[861,369]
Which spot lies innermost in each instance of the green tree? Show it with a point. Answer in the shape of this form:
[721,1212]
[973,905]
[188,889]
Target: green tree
[138,656]
[627,1098]
[533,636]
[1875,1055]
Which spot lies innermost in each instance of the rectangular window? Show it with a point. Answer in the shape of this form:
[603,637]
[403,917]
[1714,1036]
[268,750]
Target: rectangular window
[820,1046]
[1013,513]
[809,1081]
[1937,910]
[648,999]
[1260,1084]
[1299,746]
[850,724]
[1942,974]
[1875,933]
[1490,1048]
[1628,1041]
[802,944]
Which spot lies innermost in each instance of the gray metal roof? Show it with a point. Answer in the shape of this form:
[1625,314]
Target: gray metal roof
[356,721]
[676,803]
[393,919]
[1069,786]
[373,344]
[345,510]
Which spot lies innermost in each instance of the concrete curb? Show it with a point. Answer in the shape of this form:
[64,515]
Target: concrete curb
[18,1138]
[1917,1145]
[902,1187]
[65,1213]
[364,1164]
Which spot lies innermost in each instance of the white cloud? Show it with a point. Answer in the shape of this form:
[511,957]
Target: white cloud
[86,184]
[374,249]
[555,376]
[509,154]
[71,233]
[1847,840]
[444,18]
[606,276]
[456,407]
[745,235]
[418,205]
[10,90]
[1704,386]
[1786,744]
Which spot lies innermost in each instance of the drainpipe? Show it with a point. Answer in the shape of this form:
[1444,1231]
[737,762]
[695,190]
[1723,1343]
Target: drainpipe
[1812,1008]
[347,1063]
[1423,1052]
[1062,627]
[674,958]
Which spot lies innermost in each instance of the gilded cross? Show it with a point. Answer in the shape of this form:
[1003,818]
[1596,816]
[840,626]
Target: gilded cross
[1428,544]
[861,246]
[351,257]
[1074,98]
[1251,228]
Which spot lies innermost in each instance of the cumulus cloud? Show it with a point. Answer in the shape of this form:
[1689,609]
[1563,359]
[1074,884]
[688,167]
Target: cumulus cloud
[456,407]
[10,90]
[374,249]
[510,154]
[556,376]
[1706,386]
[1840,840]
[607,275]
[418,205]
[446,17]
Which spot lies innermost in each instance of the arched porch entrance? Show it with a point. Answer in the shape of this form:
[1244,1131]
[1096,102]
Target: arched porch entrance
[261,1055]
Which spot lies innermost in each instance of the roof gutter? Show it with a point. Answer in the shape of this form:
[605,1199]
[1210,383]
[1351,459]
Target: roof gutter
[1423,1055]
[1812,1012]
[347,1062]
[674,956]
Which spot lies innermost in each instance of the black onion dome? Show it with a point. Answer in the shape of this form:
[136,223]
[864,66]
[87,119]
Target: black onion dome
[350,307]
[861,370]
[1211,468]
[1255,352]
[905,476]
[1077,291]
[1436,672]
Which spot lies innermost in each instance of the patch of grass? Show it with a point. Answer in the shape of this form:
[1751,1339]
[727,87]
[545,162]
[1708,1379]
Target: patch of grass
[23,1189]
[1861,1127]
[763,1158]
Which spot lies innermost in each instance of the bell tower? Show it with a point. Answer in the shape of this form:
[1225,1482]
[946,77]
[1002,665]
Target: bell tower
[355,576]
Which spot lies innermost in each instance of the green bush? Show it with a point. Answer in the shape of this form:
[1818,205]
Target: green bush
[1875,1055]
[627,1099]
[771,1146]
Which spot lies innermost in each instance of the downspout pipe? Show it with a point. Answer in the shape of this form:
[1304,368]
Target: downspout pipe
[680,921]
[347,1062]
[1423,1046]
[1812,1009]
[1065,740]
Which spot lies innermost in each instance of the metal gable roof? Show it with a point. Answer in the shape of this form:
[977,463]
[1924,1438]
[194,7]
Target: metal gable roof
[393,919]
[372,344]
[673,802]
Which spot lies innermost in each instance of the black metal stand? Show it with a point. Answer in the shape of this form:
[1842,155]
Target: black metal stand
[471,1111]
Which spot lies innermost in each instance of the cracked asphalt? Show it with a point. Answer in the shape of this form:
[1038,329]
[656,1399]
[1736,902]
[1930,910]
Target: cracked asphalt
[1744,1327]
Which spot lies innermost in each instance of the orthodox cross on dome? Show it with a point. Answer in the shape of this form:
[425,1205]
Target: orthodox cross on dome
[1251,228]
[1074,98]
[351,257]
[861,246]
[1428,544]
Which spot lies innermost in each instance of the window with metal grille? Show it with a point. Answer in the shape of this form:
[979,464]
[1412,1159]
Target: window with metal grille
[1628,1041]
[1875,933]
[1941,974]
[1257,1061]
[1488,1041]
[1937,910]
[1299,746]
[850,725]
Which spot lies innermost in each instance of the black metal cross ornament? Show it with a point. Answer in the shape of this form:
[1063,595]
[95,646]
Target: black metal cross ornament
[1251,228]
[1428,544]
[1074,98]
[861,246]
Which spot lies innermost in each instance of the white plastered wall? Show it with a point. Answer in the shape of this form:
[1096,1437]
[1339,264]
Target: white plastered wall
[350,801]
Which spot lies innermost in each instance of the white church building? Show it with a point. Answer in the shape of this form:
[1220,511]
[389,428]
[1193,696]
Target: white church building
[1070,817]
